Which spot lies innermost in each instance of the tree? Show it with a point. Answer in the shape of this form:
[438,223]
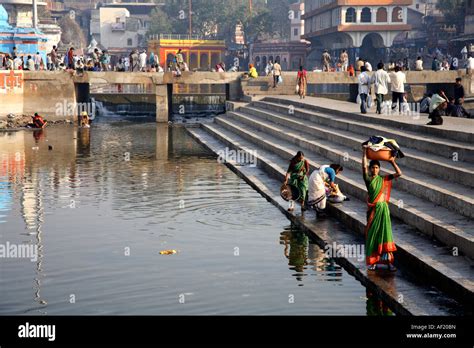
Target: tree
[72,34]
[160,22]
[453,11]
[221,16]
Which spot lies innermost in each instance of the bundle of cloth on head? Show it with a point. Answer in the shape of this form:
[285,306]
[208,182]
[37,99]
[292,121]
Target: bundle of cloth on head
[377,142]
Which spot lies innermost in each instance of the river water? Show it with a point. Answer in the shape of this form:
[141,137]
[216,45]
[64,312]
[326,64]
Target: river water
[98,205]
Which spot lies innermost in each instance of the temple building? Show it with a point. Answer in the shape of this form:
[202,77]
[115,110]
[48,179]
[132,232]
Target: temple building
[364,27]
[27,41]
[199,53]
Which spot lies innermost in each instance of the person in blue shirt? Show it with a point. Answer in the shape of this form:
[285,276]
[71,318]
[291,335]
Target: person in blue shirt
[319,179]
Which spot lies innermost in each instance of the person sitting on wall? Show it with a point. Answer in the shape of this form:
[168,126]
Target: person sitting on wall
[38,122]
[252,71]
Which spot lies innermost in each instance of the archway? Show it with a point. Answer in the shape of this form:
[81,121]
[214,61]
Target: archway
[372,48]
[204,62]
[257,63]
[382,15]
[366,15]
[214,59]
[397,15]
[350,15]
[169,59]
[193,61]
[264,63]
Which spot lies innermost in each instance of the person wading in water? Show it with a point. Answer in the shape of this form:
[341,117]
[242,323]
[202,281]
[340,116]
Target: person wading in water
[379,244]
[297,176]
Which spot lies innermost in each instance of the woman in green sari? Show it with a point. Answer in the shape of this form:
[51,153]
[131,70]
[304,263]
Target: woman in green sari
[297,175]
[379,245]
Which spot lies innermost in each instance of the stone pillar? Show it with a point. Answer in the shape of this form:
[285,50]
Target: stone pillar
[343,16]
[358,13]
[162,141]
[162,112]
[389,14]
[373,14]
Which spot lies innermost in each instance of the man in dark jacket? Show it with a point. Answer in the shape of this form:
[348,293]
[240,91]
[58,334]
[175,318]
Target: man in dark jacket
[458,89]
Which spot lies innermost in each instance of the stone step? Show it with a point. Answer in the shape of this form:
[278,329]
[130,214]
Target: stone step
[415,251]
[437,222]
[324,127]
[465,138]
[449,195]
[453,151]
[257,90]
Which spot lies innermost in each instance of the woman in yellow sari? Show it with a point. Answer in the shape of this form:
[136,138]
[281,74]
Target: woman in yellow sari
[379,244]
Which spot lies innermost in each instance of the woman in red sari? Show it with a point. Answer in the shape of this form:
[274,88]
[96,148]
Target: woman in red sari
[379,244]
[302,82]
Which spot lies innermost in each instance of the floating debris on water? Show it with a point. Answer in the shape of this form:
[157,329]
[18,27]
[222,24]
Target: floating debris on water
[168,252]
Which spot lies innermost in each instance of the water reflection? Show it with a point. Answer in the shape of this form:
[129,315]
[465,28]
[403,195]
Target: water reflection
[304,256]
[376,307]
[83,195]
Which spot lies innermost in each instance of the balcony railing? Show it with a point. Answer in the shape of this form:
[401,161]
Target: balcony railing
[181,37]
[118,26]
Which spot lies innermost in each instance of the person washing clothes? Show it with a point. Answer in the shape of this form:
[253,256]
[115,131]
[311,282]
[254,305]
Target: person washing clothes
[321,182]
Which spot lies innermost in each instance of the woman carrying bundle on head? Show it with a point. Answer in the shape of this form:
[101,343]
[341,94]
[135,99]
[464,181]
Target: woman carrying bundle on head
[379,245]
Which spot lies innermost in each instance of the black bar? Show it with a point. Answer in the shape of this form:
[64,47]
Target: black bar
[226,330]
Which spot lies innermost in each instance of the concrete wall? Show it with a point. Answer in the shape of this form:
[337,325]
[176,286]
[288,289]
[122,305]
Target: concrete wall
[52,94]
[11,92]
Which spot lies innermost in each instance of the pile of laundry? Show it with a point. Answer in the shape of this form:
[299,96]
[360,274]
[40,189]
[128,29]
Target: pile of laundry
[377,143]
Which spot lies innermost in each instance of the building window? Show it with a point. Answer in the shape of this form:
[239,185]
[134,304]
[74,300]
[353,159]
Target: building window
[129,42]
[350,15]
[366,15]
[295,31]
[381,15]
[397,15]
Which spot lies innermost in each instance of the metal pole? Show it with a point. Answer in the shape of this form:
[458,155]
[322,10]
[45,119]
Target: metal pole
[35,14]
[190,19]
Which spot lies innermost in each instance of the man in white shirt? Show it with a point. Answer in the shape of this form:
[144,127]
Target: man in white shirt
[38,60]
[398,80]
[344,58]
[364,83]
[380,79]
[143,57]
[276,73]
[419,64]
[17,63]
[30,64]
[368,66]
[470,65]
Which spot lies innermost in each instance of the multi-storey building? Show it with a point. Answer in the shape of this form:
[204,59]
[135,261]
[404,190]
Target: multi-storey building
[364,27]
